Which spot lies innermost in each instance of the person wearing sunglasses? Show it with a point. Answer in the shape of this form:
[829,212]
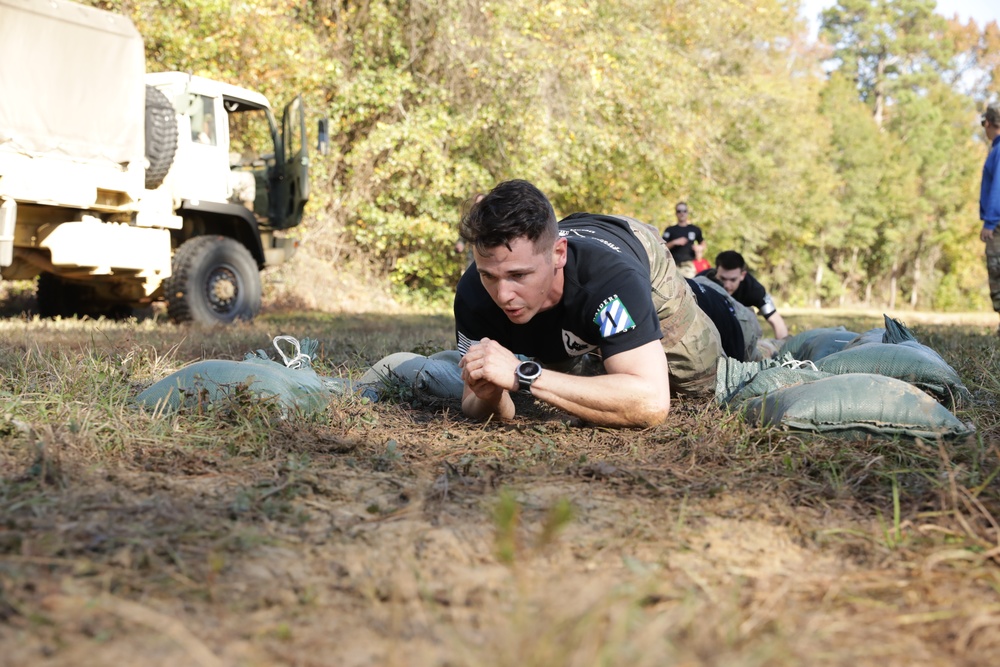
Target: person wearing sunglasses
[989,203]
[685,241]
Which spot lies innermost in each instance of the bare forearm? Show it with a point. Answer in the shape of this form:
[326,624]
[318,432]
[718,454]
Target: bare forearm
[605,400]
[778,324]
[478,408]
[635,391]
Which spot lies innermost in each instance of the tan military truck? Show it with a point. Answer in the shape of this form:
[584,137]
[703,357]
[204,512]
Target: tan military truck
[120,187]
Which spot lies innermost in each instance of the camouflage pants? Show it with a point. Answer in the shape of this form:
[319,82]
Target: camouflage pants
[690,339]
[993,269]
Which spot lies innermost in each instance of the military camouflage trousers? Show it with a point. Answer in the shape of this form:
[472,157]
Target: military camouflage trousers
[690,340]
[993,269]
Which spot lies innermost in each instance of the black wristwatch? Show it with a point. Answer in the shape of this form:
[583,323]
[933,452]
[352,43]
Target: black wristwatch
[527,372]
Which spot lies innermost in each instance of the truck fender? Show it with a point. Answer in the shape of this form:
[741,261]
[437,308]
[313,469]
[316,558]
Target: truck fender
[232,220]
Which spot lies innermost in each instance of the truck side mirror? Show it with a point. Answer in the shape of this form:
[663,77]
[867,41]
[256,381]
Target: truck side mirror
[323,136]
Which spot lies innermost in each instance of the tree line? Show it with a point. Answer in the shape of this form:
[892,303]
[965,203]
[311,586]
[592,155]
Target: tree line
[845,171]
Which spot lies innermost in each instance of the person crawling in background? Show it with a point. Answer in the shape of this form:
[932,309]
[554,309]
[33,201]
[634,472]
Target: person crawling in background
[731,272]
[558,293]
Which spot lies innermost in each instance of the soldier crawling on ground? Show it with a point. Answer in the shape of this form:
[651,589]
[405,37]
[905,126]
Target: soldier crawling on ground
[730,271]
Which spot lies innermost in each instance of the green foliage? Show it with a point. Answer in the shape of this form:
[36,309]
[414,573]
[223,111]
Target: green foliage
[901,145]
[507,519]
[887,46]
[845,186]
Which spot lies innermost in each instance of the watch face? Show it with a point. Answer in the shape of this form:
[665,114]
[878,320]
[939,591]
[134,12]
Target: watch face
[529,370]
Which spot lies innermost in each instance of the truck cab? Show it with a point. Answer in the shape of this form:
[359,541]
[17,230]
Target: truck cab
[120,187]
[225,132]
[236,175]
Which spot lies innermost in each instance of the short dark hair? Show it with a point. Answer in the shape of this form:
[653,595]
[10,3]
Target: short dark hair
[992,115]
[512,210]
[729,260]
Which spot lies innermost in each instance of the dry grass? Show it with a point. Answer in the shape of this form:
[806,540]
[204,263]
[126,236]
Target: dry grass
[402,534]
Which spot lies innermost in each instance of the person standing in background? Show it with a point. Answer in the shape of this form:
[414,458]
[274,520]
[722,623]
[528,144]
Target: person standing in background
[685,241]
[989,203]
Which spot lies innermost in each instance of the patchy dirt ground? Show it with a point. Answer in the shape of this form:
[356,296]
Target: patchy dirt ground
[402,534]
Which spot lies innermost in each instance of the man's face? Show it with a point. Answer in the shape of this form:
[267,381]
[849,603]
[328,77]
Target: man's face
[682,214]
[730,278]
[991,130]
[524,280]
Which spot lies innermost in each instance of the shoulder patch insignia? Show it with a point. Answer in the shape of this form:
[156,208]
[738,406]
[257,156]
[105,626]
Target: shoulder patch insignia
[613,318]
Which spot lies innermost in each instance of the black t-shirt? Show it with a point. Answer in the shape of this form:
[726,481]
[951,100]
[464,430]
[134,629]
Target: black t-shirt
[606,305]
[750,293]
[720,310]
[683,253]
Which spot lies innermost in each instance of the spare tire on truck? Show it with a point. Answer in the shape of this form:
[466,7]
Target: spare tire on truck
[161,136]
[215,280]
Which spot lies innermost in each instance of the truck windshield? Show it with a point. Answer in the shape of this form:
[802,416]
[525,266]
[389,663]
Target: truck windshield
[250,135]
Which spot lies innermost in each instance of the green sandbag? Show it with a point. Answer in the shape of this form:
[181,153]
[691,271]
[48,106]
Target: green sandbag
[732,376]
[769,380]
[867,338]
[214,380]
[894,332]
[856,404]
[900,356]
[295,388]
[815,344]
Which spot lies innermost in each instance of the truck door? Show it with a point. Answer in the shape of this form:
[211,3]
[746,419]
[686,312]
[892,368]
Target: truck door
[292,190]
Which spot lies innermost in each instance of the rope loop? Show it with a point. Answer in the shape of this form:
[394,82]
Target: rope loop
[299,359]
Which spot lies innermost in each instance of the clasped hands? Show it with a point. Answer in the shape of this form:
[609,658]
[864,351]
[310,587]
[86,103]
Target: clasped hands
[488,368]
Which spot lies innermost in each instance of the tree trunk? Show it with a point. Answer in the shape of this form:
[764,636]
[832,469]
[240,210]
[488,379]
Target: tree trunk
[819,281]
[892,285]
[849,285]
[880,90]
[917,277]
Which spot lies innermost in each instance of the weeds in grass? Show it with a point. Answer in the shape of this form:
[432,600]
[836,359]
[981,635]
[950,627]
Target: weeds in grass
[511,546]
[395,389]
[617,547]
[388,458]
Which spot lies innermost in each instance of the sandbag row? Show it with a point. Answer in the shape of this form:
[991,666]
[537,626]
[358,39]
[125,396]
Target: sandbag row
[831,380]
[294,386]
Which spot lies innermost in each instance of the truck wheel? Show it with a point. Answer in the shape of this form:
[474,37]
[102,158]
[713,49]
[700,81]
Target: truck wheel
[215,281]
[161,136]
